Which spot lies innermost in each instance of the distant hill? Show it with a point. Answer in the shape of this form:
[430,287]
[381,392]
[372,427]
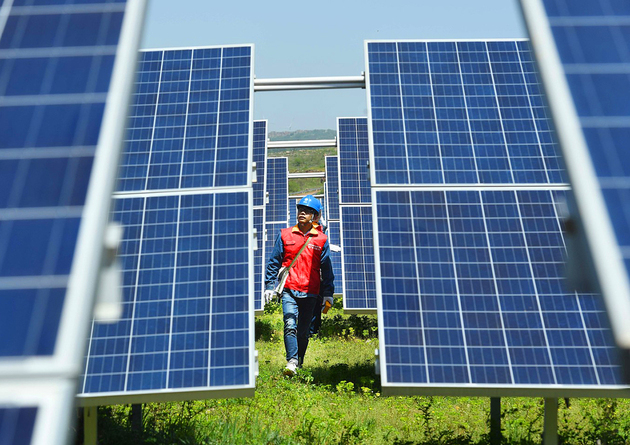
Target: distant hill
[301,135]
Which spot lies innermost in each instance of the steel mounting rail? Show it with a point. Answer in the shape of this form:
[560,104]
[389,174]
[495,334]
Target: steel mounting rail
[309,83]
[317,143]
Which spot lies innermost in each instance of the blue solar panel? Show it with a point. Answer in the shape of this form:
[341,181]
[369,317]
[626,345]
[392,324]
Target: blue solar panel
[584,50]
[332,187]
[190,122]
[187,283]
[278,190]
[334,237]
[260,157]
[259,255]
[444,112]
[53,94]
[17,424]
[293,211]
[359,281]
[60,136]
[354,156]
[472,296]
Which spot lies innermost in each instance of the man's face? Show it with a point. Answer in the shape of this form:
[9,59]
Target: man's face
[305,214]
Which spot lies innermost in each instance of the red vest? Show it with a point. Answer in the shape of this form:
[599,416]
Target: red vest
[304,275]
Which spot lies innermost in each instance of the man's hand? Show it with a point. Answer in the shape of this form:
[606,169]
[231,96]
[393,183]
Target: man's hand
[329,300]
[268,295]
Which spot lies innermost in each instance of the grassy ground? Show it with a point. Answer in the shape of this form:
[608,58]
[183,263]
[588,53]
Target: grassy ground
[336,399]
[303,161]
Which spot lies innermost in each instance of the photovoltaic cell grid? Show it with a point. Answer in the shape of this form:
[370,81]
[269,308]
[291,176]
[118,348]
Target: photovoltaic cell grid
[359,280]
[592,40]
[467,112]
[56,66]
[52,96]
[354,156]
[334,237]
[260,156]
[472,295]
[190,120]
[17,424]
[259,255]
[185,324]
[278,190]
[293,211]
[332,187]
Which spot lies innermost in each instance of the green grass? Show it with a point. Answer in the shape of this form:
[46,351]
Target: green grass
[336,399]
[305,161]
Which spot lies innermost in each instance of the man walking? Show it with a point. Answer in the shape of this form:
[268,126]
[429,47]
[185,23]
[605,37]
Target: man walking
[307,252]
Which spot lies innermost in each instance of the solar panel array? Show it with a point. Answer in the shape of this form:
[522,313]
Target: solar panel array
[585,48]
[62,73]
[260,191]
[470,291]
[359,288]
[187,254]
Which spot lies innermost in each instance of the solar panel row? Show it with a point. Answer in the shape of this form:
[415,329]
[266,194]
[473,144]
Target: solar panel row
[187,254]
[357,257]
[470,287]
[62,77]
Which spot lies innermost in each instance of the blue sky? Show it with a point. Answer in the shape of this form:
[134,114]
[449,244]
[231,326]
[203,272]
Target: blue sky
[324,38]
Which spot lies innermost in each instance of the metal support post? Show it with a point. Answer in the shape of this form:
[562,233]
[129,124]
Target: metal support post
[136,419]
[550,431]
[495,421]
[90,425]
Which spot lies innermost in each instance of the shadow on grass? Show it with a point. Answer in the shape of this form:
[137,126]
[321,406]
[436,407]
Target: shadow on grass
[361,375]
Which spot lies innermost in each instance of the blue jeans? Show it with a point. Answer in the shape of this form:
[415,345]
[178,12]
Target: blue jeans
[298,312]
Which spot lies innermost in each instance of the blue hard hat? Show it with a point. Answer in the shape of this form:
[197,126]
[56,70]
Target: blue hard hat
[312,202]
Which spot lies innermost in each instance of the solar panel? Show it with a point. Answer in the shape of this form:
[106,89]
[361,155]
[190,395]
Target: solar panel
[293,211]
[332,187]
[354,156]
[190,120]
[278,190]
[63,77]
[359,285]
[445,112]
[29,411]
[472,297]
[260,157]
[334,237]
[187,324]
[259,256]
[583,52]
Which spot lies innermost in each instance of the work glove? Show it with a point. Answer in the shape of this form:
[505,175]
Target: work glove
[268,295]
[329,300]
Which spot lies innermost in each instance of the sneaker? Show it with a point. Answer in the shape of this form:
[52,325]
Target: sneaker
[291,367]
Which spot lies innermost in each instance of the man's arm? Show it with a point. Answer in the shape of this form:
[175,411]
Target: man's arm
[274,263]
[327,284]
